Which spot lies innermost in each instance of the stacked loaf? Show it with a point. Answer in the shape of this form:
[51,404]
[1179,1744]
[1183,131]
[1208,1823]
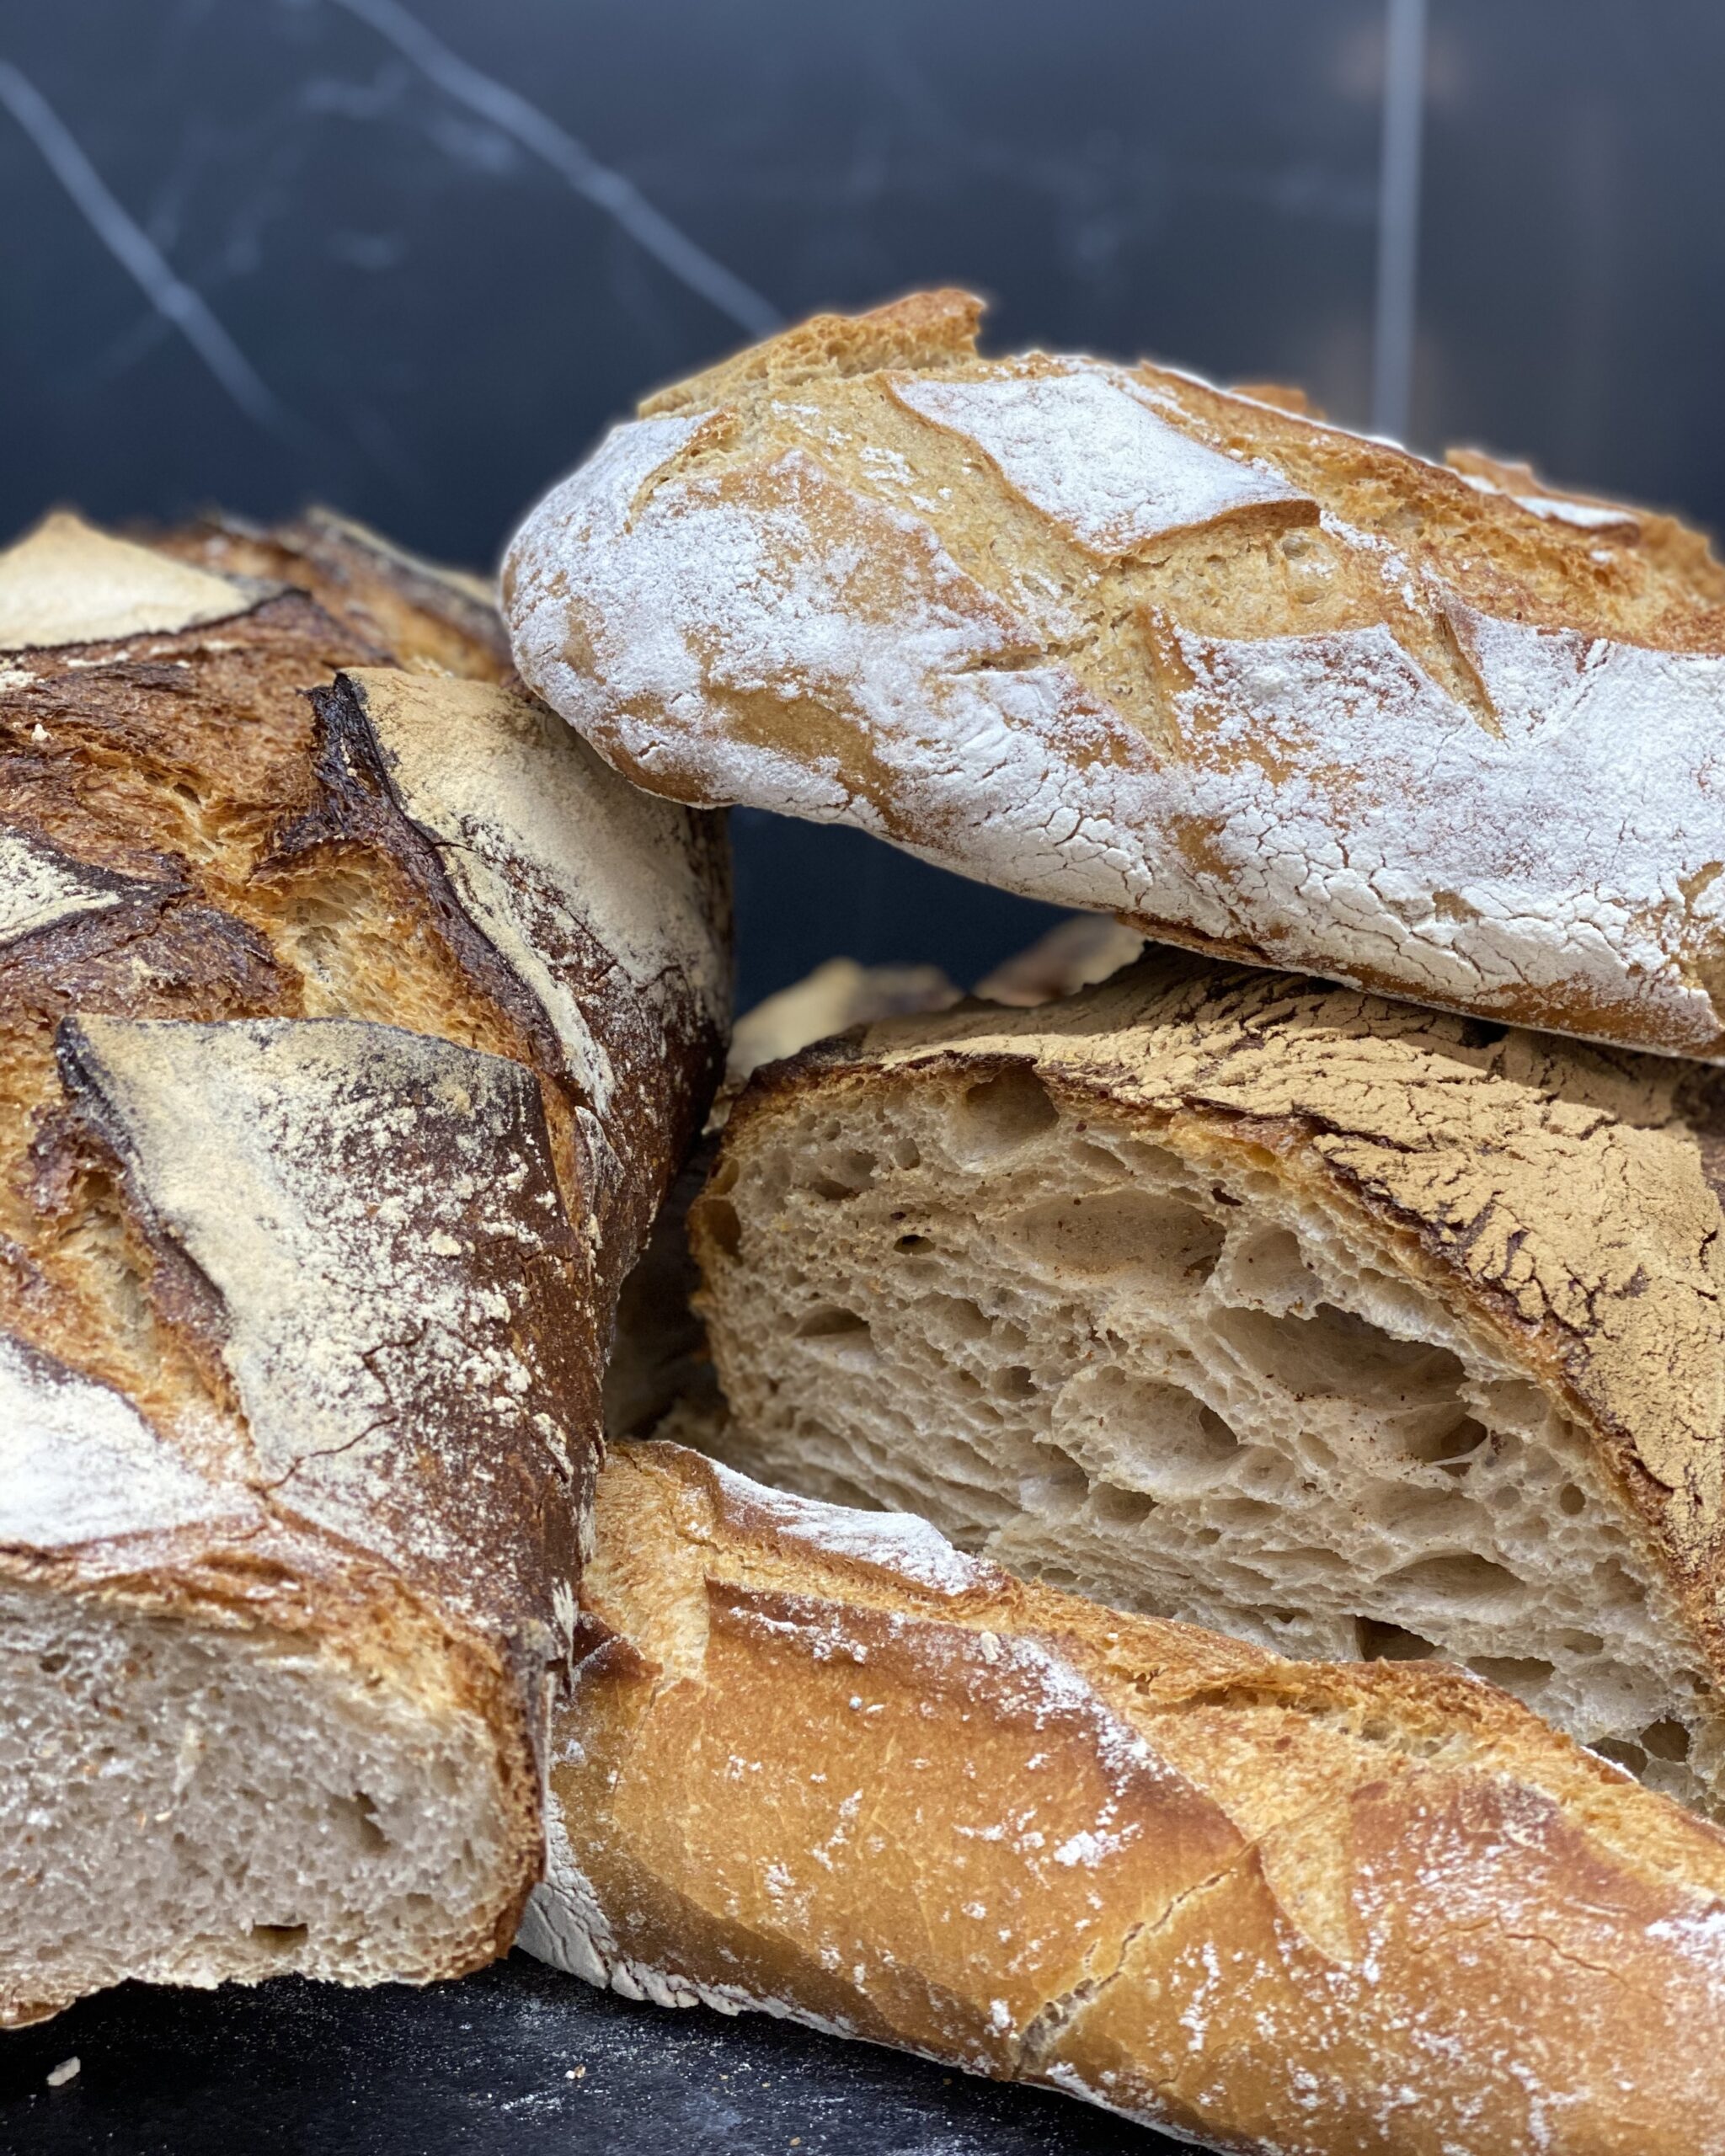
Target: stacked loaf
[1332,1303]
[1344,1310]
[355,1019]
[817,1763]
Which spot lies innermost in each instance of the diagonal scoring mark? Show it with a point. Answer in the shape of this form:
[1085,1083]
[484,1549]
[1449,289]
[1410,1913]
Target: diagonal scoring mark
[174,300]
[524,123]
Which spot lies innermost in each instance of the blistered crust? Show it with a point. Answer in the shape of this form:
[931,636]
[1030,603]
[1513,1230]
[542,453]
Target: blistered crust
[1114,638]
[1280,1907]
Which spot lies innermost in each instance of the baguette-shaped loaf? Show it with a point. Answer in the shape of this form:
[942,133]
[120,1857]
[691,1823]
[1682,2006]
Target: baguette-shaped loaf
[1350,1328]
[1113,637]
[351,1025]
[818,1763]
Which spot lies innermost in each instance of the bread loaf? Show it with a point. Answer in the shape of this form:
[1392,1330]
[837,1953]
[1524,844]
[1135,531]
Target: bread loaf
[659,1354]
[1344,1328]
[820,1764]
[1110,636]
[347,1041]
[427,615]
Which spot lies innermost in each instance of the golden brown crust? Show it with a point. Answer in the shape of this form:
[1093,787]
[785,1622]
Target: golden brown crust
[1561,1195]
[1114,638]
[816,1762]
[426,615]
[204,823]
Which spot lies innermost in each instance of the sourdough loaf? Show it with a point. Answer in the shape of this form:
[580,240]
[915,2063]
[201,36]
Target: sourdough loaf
[818,1763]
[428,616]
[1113,637]
[659,1354]
[1342,1327]
[351,1024]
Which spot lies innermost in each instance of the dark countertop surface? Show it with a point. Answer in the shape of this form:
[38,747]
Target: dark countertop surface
[517,2059]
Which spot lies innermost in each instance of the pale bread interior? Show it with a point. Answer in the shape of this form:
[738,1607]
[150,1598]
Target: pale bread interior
[188,1804]
[1175,1383]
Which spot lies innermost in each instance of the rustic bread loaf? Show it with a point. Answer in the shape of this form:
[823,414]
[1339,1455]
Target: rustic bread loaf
[835,997]
[1342,1326]
[659,1354]
[1111,637]
[425,614]
[346,1043]
[820,1764]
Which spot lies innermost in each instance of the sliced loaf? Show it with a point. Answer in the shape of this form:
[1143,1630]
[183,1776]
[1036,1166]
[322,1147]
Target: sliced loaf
[1342,1326]
[351,1025]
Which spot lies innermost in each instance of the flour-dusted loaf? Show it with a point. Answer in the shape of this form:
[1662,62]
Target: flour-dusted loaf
[351,1025]
[1112,637]
[818,1763]
[1346,1327]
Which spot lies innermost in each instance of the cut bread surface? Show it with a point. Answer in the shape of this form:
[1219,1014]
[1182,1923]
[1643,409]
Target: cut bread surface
[189,1802]
[1154,1356]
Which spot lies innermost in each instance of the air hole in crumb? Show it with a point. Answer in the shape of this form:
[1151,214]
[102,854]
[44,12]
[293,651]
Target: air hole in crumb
[850,1173]
[1665,1740]
[1571,1500]
[1125,1231]
[1173,1441]
[1269,1267]
[1517,1674]
[1585,1645]
[829,1323]
[1015,1382]
[957,1315]
[359,1813]
[716,1218]
[280,1937]
[1457,1576]
[913,1246]
[1125,1508]
[1062,1486]
[1333,1354]
[1622,1754]
[1452,1447]
[1005,1112]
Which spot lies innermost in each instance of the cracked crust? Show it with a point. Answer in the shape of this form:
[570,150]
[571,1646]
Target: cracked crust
[818,1764]
[1562,1203]
[1115,638]
[311,1222]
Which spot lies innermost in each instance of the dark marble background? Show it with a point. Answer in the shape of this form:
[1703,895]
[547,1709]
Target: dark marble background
[423,315]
